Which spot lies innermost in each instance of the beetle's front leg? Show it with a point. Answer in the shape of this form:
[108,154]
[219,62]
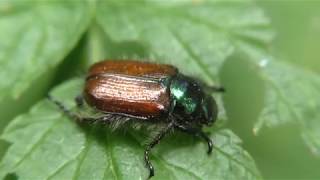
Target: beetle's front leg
[155,141]
[196,132]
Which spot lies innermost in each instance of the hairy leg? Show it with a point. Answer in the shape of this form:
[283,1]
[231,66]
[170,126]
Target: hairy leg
[62,107]
[152,144]
[75,116]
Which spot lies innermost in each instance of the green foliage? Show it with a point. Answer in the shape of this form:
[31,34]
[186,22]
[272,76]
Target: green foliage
[198,37]
[36,37]
[291,98]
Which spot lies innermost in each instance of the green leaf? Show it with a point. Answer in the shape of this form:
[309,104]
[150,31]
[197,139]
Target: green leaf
[290,91]
[47,145]
[35,37]
[291,98]
[196,37]
[30,47]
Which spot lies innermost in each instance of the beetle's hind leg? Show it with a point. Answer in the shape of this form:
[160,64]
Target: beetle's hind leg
[62,107]
[196,132]
[152,144]
[71,114]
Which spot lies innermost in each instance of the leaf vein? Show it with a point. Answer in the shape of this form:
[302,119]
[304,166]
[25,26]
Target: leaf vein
[50,176]
[162,161]
[38,143]
[235,160]
[82,156]
[110,158]
[191,53]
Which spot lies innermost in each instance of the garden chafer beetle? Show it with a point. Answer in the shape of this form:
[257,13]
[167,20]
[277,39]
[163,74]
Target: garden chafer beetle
[147,93]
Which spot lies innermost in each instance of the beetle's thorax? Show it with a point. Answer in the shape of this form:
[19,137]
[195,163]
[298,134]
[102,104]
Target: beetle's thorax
[186,95]
[190,103]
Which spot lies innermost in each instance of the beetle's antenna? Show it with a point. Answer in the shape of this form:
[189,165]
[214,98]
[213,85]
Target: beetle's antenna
[63,108]
[216,89]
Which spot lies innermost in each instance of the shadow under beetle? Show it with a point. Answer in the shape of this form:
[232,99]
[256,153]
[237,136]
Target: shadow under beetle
[148,93]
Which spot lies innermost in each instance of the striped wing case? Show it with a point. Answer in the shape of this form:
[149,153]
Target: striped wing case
[130,88]
[134,68]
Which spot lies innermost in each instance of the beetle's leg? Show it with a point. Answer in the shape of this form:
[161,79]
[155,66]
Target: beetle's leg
[105,119]
[79,100]
[63,108]
[196,132]
[71,114]
[151,145]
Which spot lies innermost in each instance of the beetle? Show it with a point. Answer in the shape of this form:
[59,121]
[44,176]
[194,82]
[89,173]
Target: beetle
[144,92]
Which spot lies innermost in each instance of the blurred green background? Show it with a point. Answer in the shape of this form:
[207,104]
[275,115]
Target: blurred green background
[280,153]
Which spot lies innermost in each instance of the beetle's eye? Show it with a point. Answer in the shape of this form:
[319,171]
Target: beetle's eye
[209,108]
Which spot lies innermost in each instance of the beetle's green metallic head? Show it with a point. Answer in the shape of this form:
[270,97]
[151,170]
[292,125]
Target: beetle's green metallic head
[191,103]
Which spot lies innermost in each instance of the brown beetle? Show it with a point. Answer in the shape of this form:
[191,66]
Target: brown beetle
[147,93]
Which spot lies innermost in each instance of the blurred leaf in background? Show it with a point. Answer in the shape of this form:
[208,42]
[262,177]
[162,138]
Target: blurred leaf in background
[35,38]
[206,39]
[287,114]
